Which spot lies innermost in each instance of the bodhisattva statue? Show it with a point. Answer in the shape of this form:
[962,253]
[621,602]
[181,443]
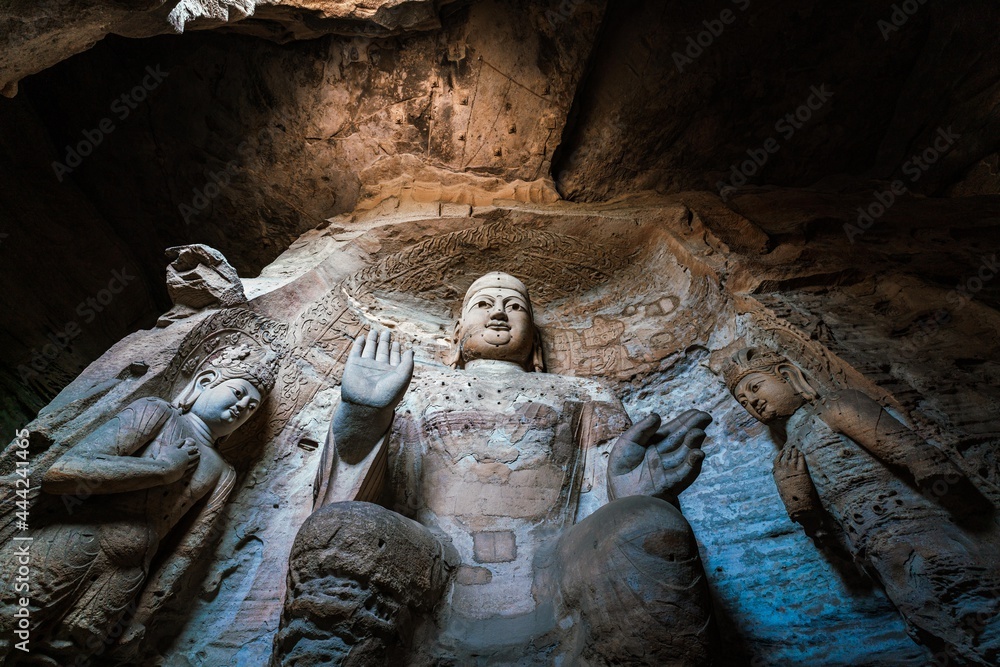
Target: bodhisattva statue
[498,549]
[896,502]
[126,486]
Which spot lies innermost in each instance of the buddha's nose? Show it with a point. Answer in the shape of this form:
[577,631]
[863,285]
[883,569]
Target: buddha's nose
[498,313]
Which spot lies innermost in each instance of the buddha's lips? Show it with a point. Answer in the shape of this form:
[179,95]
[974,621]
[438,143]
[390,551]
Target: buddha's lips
[498,326]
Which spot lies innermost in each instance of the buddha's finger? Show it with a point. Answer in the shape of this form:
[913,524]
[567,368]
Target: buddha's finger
[357,346]
[371,345]
[691,441]
[687,472]
[384,343]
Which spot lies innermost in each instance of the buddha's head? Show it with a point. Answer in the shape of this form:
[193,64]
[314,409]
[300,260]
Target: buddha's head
[497,323]
[767,385]
[228,388]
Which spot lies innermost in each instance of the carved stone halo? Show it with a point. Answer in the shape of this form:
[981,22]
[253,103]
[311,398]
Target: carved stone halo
[438,271]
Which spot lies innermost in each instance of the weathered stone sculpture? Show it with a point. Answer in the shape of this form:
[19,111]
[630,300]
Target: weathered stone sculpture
[901,507]
[501,523]
[148,476]
[199,277]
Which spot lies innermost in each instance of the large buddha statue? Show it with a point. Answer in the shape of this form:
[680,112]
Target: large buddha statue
[149,476]
[851,474]
[516,523]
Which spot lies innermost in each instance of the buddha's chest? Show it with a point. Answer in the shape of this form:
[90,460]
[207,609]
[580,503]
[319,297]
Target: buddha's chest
[484,465]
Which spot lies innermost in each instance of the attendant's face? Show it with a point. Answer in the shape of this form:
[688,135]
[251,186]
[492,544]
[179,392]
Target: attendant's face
[496,324]
[767,397]
[226,406]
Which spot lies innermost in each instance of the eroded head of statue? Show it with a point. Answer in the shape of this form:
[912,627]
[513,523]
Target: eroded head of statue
[228,388]
[497,323]
[767,385]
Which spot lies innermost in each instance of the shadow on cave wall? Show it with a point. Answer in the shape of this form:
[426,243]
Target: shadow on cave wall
[108,159]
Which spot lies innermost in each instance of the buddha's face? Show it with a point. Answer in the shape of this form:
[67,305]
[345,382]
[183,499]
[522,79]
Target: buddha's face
[226,406]
[767,397]
[496,324]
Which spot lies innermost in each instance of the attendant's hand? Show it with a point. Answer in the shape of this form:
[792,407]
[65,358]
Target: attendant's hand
[179,458]
[126,651]
[795,486]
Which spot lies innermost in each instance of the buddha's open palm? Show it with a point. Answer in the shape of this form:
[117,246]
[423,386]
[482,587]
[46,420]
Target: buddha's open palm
[651,459]
[376,374]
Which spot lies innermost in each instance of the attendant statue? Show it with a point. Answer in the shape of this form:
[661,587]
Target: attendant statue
[518,524]
[899,504]
[148,477]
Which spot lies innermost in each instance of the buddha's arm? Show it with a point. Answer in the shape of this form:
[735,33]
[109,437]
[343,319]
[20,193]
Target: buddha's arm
[103,462]
[356,429]
[163,584]
[342,475]
[376,375]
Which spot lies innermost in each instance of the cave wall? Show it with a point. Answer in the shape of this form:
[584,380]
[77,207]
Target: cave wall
[649,297]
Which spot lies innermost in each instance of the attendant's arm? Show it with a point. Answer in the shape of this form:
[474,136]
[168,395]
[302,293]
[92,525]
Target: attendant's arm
[795,486]
[103,462]
[862,419]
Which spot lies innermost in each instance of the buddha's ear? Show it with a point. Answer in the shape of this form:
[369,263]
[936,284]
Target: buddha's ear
[795,377]
[454,358]
[537,358]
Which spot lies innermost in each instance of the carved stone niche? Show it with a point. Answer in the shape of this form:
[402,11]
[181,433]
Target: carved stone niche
[499,517]
[129,485]
[614,294]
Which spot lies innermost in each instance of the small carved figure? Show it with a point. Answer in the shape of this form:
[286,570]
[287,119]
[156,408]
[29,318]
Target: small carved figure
[127,486]
[507,524]
[896,500]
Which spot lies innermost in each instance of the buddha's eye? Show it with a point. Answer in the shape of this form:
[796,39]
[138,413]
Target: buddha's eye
[515,306]
[483,304]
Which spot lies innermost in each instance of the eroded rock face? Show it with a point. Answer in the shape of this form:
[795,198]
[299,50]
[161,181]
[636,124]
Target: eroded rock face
[200,277]
[784,95]
[244,145]
[40,35]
